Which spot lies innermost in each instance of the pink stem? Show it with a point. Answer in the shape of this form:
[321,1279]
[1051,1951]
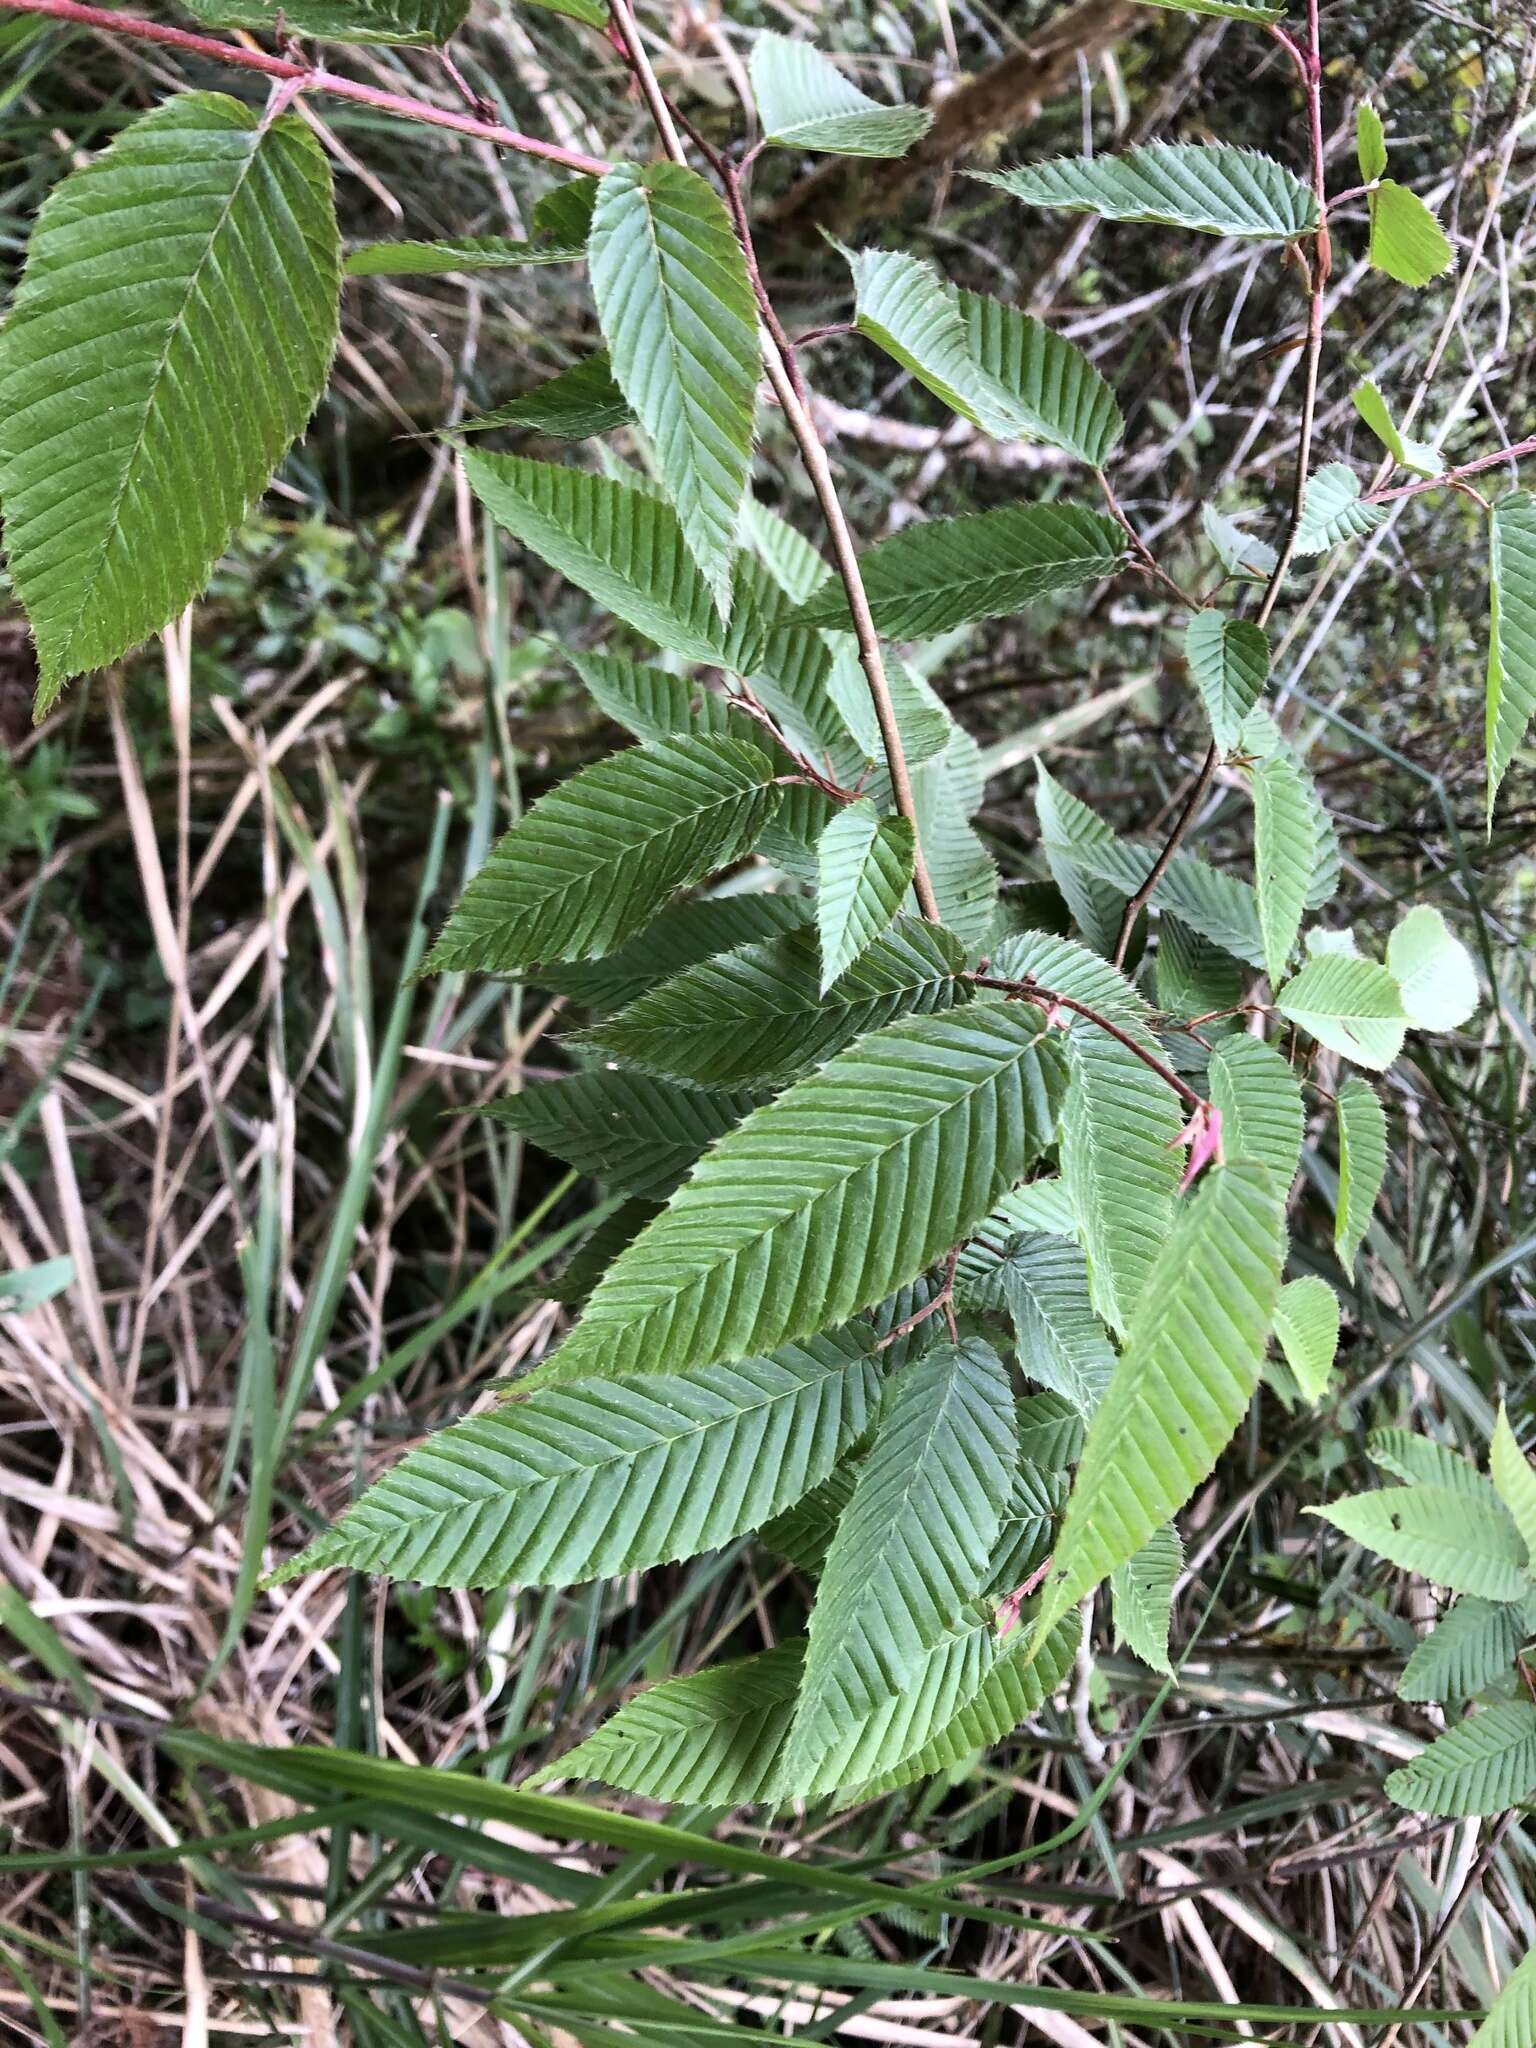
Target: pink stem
[112,23]
[1450,477]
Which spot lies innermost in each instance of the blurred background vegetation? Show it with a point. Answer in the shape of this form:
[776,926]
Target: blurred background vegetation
[254,1239]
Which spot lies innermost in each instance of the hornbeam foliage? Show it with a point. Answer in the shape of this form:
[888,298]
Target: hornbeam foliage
[950,1166]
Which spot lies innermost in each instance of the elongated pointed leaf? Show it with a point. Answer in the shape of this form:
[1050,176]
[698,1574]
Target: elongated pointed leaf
[925,725]
[638,1134]
[1052,390]
[1229,663]
[911,1551]
[591,861]
[1035,1499]
[1194,978]
[1433,970]
[949,572]
[864,869]
[1226,10]
[1142,1592]
[905,308]
[656,705]
[1512,638]
[1211,187]
[675,939]
[1514,1480]
[579,402]
[170,336]
[1351,1005]
[713,1738]
[759,1015]
[1370,142]
[412,23]
[963,873]
[1512,2022]
[1415,455]
[1470,1647]
[1307,1324]
[453,258]
[680,321]
[1039,1206]
[828,1199]
[1362,1165]
[805,102]
[1260,1103]
[1120,1166]
[1407,242]
[1423,1461]
[784,551]
[1284,842]
[1333,510]
[581,1482]
[1485,1764]
[1185,1377]
[803,1534]
[1062,1345]
[1065,968]
[1441,1532]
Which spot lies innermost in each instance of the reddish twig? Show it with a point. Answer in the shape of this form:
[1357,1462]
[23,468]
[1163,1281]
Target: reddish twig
[1449,478]
[1030,991]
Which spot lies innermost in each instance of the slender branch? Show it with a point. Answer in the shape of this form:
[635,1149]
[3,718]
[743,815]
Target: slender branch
[307,80]
[1032,991]
[1449,478]
[1171,845]
[628,32]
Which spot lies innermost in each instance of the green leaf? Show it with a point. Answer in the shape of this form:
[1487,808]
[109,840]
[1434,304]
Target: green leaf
[1470,1647]
[1142,1592]
[564,212]
[803,1533]
[677,938]
[408,22]
[1062,1345]
[713,1738]
[1040,1206]
[1260,1103]
[638,1134]
[655,705]
[1414,455]
[925,725]
[608,1476]
[760,1015]
[1434,971]
[1229,663]
[1362,1165]
[908,1555]
[1444,1533]
[677,312]
[1370,143]
[1240,553]
[1211,187]
[1068,829]
[1120,1166]
[187,280]
[785,552]
[1407,242]
[1284,841]
[1193,977]
[1225,10]
[597,1251]
[1512,2022]
[963,873]
[864,869]
[1333,510]
[832,1196]
[580,402]
[1187,1373]
[1053,391]
[949,572]
[805,102]
[1349,1004]
[1423,1461]
[1307,1324]
[1485,1764]
[906,309]
[1051,1433]
[453,257]
[1513,1480]
[591,861]
[1063,967]
[1512,636]
[1035,1499]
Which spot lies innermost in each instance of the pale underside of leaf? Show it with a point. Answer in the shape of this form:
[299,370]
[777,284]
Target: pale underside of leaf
[1362,1165]
[1259,1097]
[413,23]
[1351,1005]
[1512,640]
[1470,1646]
[1485,1764]
[1307,1324]
[805,102]
[1142,1592]
[1212,187]
[1441,1532]
[1333,510]
[1512,2022]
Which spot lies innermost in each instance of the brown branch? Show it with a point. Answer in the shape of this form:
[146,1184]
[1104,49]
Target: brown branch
[1171,845]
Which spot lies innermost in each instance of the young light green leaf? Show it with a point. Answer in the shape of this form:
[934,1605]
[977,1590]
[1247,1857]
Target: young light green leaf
[452,258]
[712,1738]
[1513,1479]
[1061,1342]
[1224,10]
[1241,553]
[1362,1165]
[676,308]
[1415,455]
[1485,1764]
[1512,2022]
[1333,510]
[784,551]
[189,277]
[1142,1593]
[1351,1005]
[805,102]
[963,873]
[1441,1532]
[760,1016]
[1370,143]
[638,1134]
[1229,663]
[1053,391]
[1468,1649]
[582,1482]
[591,861]
[1407,242]
[411,23]
[949,572]
[864,869]
[579,402]
[1284,840]
[1423,1461]
[1259,1098]
[1210,187]
[1512,636]
[1434,971]
[1307,1324]
[912,1550]
[1187,1373]
[831,1197]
